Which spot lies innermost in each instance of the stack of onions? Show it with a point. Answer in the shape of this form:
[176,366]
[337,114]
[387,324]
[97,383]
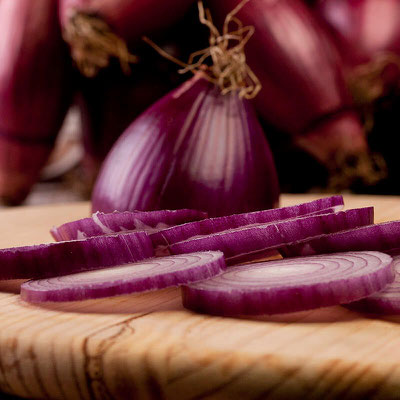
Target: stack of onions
[367,33]
[200,146]
[99,29]
[303,90]
[34,91]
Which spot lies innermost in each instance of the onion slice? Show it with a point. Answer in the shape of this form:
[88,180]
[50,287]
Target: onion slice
[109,223]
[156,273]
[53,259]
[378,237]
[208,226]
[291,285]
[387,301]
[246,243]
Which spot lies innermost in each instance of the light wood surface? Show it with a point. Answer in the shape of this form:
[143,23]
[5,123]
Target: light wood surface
[148,347]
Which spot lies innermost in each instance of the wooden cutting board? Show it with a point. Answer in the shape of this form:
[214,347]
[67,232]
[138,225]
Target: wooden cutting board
[148,347]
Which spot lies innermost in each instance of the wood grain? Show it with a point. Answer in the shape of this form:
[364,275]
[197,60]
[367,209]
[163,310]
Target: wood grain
[148,347]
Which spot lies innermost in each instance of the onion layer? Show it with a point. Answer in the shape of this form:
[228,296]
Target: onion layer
[245,243]
[79,255]
[156,273]
[379,237]
[387,301]
[208,226]
[104,224]
[291,285]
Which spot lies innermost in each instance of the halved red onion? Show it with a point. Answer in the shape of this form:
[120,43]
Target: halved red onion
[156,273]
[387,301]
[291,285]
[377,237]
[246,243]
[53,259]
[208,226]
[109,223]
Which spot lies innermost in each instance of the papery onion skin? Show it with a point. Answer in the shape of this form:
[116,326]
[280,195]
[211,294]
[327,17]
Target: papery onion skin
[307,283]
[102,224]
[54,259]
[130,278]
[194,148]
[245,243]
[35,92]
[379,237]
[182,232]
[386,301]
[303,85]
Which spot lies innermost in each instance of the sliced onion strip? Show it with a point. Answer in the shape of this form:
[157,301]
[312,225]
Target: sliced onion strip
[108,223]
[378,237]
[61,258]
[248,241]
[208,226]
[152,274]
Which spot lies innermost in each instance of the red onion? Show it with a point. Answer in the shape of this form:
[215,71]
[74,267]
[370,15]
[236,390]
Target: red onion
[99,29]
[291,285]
[179,233]
[156,273]
[387,301]
[379,237]
[194,148]
[35,92]
[104,224]
[247,243]
[367,33]
[62,258]
[303,86]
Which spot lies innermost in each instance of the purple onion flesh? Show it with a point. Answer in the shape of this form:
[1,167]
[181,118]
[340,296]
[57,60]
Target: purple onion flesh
[104,224]
[245,243]
[291,285]
[152,274]
[387,301]
[62,258]
[378,237]
[208,226]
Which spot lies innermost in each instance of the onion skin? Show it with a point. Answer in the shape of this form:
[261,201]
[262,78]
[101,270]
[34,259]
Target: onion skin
[194,148]
[35,92]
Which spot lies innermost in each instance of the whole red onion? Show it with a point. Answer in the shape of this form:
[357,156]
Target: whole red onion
[194,148]
[35,91]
